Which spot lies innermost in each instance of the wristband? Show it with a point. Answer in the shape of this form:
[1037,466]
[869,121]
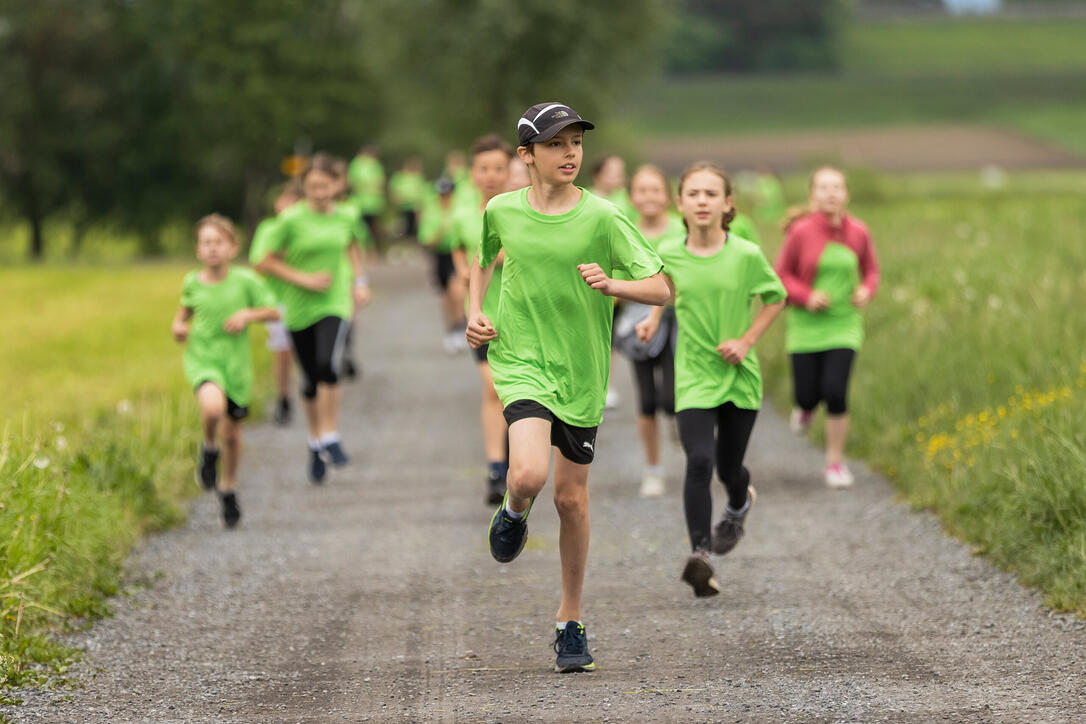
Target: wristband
[361,281]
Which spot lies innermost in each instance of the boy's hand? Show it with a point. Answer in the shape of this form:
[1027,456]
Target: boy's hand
[180,331]
[361,295]
[594,277]
[480,331]
[237,321]
[317,281]
[646,329]
[734,351]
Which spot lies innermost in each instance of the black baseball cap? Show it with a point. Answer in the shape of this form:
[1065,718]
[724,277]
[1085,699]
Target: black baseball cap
[445,186]
[543,120]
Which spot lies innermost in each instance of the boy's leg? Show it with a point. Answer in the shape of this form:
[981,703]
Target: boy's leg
[283,363]
[212,401]
[495,435]
[571,500]
[529,461]
[231,452]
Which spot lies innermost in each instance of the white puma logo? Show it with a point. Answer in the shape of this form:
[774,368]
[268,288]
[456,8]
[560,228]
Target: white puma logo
[587,445]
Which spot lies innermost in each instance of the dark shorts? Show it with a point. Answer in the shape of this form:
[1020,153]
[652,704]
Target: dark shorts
[444,270]
[577,444]
[234,411]
[480,354]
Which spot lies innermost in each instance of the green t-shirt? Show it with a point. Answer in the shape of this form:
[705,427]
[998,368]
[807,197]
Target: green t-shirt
[743,227]
[436,227]
[467,233]
[211,353]
[621,199]
[314,242]
[554,332]
[712,305]
[770,206]
[839,327]
[260,248]
[367,179]
[674,229]
[407,190]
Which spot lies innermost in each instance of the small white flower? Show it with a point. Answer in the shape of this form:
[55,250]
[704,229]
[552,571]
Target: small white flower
[993,177]
[58,427]
[124,407]
[994,302]
[969,293]
[900,294]
[41,463]
[960,276]
[61,442]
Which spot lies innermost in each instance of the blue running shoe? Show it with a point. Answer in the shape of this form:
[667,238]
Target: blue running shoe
[571,645]
[507,535]
[318,468]
[335,452]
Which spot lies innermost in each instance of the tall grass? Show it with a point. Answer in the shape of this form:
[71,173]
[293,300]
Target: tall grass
[97,436]
[971,386]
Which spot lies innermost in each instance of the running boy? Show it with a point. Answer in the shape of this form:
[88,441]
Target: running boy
[436,233]
[718,384]
[550,344]
[490,177]
[828,266]
[218,303]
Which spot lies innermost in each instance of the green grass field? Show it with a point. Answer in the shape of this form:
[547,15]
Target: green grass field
[1024,75]
[971,386]
[99,433]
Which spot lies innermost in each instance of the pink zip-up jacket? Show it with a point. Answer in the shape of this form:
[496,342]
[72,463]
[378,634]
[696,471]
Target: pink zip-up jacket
[797,263]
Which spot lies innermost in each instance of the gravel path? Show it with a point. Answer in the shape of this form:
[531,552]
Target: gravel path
[374,598]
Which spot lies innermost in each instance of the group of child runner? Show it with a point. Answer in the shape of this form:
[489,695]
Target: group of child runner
[545,262]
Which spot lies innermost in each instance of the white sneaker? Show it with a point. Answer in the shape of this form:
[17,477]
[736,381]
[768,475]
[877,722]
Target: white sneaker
[838,476]
[652,485]
[613,400]
[800,421]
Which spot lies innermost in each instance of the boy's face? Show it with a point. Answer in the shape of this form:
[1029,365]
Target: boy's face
[490,172]
[213,247]
[558,160]
[320,189]
[648,194]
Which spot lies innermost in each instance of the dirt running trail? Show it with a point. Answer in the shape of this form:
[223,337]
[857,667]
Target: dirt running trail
[374,598]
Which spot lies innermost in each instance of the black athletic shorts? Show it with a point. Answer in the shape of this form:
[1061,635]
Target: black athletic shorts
[444,269]
[577,444]
[480,354]
[233,410]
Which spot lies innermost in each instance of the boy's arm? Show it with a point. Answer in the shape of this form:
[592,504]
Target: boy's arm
[480,330]
[654,290]
[242,318]
[180,326]
[361,284]
[273,265]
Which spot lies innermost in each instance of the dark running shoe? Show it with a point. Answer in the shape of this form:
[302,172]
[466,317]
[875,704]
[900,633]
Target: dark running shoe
[349,369]
[231,513]
[318,467]
[571,645]
[699,574]
[207,474]
[495,490]
[335,452]
[507,536]
[729,530]
[283,412]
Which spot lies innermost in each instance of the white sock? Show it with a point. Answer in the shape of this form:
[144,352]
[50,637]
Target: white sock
[328,438]
[560,625]
[314,444]
[654,470]
[741,511]
[513,514]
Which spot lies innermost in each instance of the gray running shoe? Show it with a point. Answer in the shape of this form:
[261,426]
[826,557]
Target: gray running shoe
[699,574]
[728,532]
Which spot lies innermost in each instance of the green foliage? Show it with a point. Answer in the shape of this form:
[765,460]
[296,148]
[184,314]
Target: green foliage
[751,35]
[967,390]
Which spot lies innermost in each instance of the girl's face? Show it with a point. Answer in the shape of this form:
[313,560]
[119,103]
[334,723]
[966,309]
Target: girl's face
[320,189]
[213,247]
[829,194]
[518,175]
[702,201]
[490,172]
[611,177]
[558,160]
[648,194]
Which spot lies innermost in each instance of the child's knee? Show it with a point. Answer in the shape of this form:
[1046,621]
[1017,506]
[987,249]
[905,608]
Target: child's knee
[526,481]
[571,501]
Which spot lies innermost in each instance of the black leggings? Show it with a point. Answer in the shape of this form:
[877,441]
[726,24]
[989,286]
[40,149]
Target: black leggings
[656,395]
[319,349]
[822,376]
[717,436]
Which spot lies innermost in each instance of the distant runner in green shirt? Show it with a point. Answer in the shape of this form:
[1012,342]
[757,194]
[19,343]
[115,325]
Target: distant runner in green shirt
[437,232]
[550,346]
[653,360]
[218,303]
[718,383]
[278,336]
[828,266]
[406,191]
[489,176]
[366,176]
[317,250]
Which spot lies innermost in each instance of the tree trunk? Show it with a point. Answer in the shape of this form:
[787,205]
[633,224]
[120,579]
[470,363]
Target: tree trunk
[35,217]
